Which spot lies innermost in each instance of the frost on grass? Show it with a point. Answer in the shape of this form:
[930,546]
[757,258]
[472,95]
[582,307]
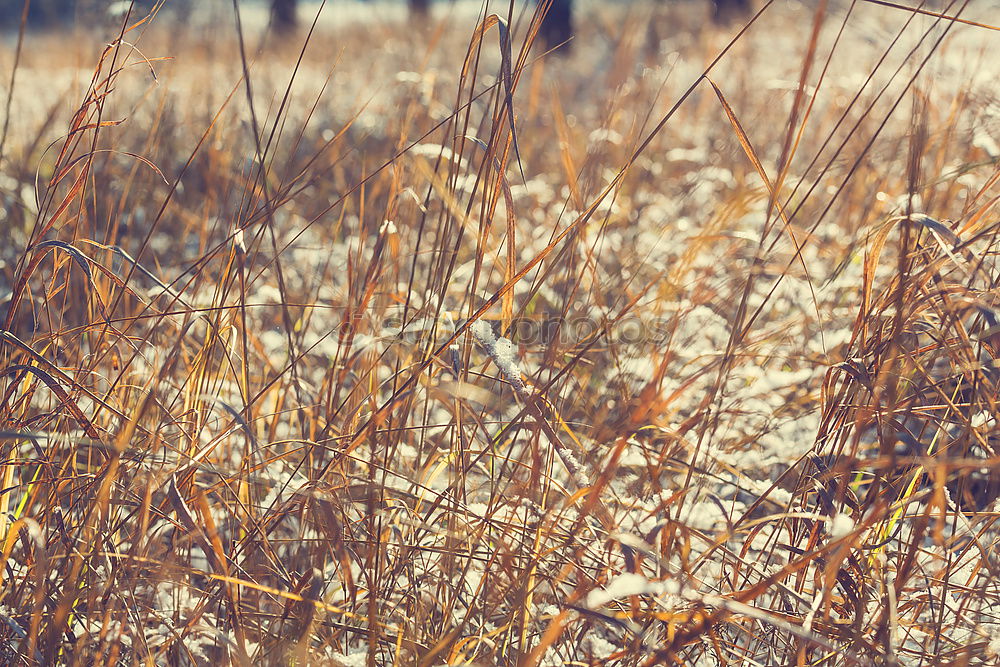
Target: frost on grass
[503,353]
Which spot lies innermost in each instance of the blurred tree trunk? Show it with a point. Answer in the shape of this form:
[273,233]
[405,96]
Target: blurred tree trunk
[419,7]
[283,15]
[557,24]
[727,10]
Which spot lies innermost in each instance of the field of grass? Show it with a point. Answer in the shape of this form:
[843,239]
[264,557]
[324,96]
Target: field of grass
[402,341]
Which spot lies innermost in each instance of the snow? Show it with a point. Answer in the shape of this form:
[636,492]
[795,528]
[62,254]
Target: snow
[840,525]
[628,584]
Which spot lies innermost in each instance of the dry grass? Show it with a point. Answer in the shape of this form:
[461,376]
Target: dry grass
[251,413]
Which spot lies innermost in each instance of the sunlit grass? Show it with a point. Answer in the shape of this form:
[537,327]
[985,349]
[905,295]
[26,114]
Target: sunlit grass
[414,344]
